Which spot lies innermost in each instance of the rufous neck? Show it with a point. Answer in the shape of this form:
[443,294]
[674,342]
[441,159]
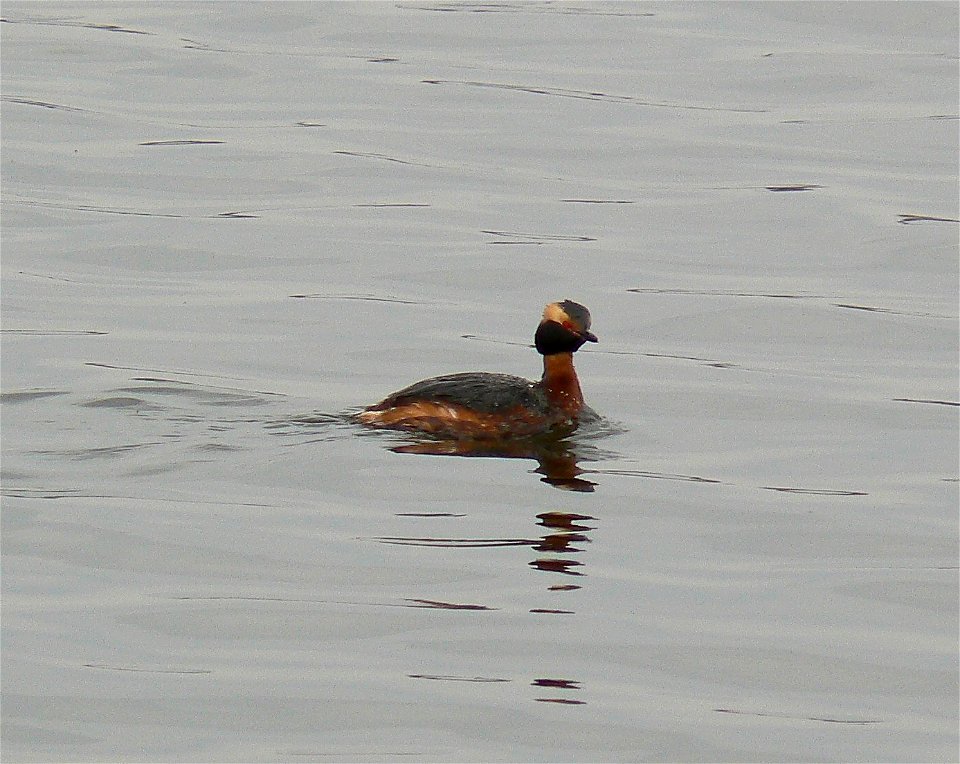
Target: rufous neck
[560,381]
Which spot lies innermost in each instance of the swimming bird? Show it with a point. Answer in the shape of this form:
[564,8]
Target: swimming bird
[482,405]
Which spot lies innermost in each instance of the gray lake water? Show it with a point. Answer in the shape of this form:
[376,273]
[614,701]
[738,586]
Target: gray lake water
[225,224]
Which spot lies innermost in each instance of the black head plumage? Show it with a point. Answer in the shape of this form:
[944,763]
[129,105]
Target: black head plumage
[565,328]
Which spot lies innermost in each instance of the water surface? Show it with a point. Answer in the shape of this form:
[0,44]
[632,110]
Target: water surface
[226,225]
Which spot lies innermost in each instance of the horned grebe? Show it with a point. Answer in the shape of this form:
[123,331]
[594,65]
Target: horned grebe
[482,405]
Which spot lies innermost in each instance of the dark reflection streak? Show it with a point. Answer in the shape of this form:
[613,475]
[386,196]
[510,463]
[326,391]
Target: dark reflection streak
[730,293]
[80,454]
[55,332]
[537,237]
[875,121]
[802,718]
[564,684]
[79,24]
[927,400]
[422,604]
[383,157]
[351,755]
[528,8]
[655,475]
[104,210]
[199,45]
[191,385]
[561,542]
[550,565]
[41,104]
[815,491]
[145,670]
[308,419]
[29,395]
[908,219]
[182,142]
[565,521]
[75,493]
[266,598]
[393,204]
[454,543]
[441,678]
[497,341]
[47,276]
[587,95]
[141,120]
[428,514]
[436,605]
[599,201]
[132,213]
[891,311]
[309,441]
[797,187]
[361,297]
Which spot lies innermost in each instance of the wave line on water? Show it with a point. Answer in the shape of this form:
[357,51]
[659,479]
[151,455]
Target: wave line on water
[591,95]
[828,719]
[928,400]
[362,298]
[814,491]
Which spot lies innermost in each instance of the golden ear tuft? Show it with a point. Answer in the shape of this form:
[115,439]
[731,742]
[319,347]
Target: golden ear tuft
[554,312]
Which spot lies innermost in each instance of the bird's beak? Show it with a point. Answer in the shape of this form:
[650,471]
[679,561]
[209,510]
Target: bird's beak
[589,336]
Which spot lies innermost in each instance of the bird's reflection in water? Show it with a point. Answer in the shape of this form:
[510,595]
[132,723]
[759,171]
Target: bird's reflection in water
[563,537]
[557,459]
[566,534]
[560,539]
[558,465]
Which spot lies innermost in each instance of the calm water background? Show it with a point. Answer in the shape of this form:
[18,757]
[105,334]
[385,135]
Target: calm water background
[225,224]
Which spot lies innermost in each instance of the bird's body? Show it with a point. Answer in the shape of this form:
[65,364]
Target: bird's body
[482,405]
